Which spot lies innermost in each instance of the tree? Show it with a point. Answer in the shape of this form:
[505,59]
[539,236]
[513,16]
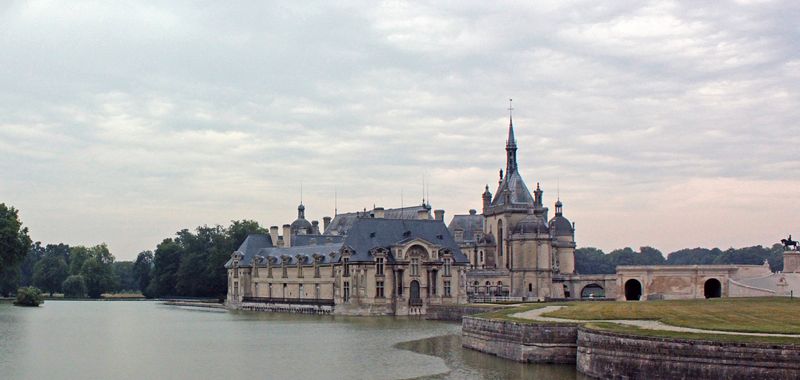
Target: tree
[123,275]
[14,244]
[97,270]
[166,261]
[141,271]
[74,287]
[35,253]
[49,273]
[77,256]
[29,296]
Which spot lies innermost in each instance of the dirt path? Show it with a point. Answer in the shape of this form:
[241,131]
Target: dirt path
[537,315]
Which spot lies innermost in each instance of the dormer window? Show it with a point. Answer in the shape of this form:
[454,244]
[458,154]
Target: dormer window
[448,263]
[379,266]
[346,266]
[415,266]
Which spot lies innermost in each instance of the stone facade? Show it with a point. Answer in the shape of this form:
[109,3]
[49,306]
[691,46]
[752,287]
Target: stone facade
[381,266]
[646,282]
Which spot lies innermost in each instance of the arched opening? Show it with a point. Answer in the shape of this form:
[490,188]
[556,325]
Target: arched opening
[712,288]
[593,291]
[414,299]
[633,290]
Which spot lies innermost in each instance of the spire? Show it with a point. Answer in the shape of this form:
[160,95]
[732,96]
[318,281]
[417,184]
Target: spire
[511,144]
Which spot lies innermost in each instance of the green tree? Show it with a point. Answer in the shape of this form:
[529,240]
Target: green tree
[142,268]
[50,272]
[77,256]
[124,277]
[35,253]
[29,296]
[74,287]
[166,262]
[14,244]
[97,270]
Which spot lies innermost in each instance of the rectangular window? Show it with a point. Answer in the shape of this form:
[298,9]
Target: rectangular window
[447,265]
[270,290]
[447,288]
[299,270]
[399,283]
[236,273]
[379,289]
[415,267]
[432,285]
[346,291]
[346,266]
[379,266]
[316,271]
[284,274]
[316,291]
[300,293]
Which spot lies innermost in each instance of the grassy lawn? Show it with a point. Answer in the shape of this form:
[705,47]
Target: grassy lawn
[505,314]
[613,327]
[763,315]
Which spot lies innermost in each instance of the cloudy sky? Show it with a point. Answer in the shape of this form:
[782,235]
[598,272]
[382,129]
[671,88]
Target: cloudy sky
[665,124]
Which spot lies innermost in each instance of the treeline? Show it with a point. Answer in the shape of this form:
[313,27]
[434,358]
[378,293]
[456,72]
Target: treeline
[594,261]
[192,263]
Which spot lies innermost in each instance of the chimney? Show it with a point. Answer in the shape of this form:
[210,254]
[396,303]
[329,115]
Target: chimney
[378,212]
[287,235]
[439,214]
[273,234]
[423,214]
[315,227]
[326,221]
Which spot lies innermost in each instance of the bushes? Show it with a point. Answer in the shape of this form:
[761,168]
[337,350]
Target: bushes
[29,296]
[74,287]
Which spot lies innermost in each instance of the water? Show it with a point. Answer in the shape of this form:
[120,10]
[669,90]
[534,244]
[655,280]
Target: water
[148,340]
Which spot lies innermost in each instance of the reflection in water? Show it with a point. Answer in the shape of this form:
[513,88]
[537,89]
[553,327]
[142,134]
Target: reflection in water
[470,364]
[148,340]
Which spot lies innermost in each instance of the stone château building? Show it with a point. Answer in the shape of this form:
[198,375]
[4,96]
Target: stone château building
[382,262]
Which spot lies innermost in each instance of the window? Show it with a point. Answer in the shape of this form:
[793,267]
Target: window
[448,262]
[346,266]
[415,266]
[500,238]
[447,288]
[316,291]
[346,291]
[480,259]
[269,289]
[255,290]
[300,293]
[379,266]
[235,273]
[284,290]
[379,288]
[399,283]
[432,285]
[316,270]
[236,289]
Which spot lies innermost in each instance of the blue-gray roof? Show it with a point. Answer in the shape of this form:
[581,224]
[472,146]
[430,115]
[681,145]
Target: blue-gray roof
[341,224]
[468,224]
[364,235]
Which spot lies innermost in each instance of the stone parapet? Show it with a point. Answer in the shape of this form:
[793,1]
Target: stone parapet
[609,355]
[522,342]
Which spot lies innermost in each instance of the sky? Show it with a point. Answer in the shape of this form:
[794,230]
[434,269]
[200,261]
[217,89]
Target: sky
[668,124]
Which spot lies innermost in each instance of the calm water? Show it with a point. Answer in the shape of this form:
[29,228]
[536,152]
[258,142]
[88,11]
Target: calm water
[147,340]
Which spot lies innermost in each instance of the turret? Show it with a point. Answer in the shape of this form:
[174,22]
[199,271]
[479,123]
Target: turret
[487,200]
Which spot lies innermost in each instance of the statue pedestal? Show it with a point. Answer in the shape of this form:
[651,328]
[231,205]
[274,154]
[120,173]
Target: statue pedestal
[791,261]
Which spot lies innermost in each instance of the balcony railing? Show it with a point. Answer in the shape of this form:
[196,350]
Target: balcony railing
[294,301]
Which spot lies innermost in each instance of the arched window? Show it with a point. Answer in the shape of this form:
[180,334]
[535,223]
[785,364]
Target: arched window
[593,291]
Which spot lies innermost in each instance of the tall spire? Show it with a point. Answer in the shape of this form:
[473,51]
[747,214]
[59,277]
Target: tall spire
[511,144]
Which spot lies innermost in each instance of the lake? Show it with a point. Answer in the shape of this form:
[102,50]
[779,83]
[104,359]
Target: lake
[149,340]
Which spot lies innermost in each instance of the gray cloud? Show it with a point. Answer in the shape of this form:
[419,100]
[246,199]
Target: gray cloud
[126,122]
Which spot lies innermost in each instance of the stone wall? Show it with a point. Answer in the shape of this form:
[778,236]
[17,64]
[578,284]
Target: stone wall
[609,355]
[522,342]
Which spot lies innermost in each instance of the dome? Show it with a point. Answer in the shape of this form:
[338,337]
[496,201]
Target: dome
[301,224]
[561,226]
[531,225]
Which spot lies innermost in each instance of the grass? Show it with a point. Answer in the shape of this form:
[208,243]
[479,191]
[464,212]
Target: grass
[633,330]
[505,313]
[759,315]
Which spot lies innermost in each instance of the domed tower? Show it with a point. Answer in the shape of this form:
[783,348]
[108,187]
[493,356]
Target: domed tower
[563,233]
[301,226]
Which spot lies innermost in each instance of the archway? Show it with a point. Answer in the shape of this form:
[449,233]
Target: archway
[633,290]
[414,294]
[593,291]
[712,288]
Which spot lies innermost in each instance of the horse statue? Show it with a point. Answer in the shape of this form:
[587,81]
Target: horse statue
[789,244]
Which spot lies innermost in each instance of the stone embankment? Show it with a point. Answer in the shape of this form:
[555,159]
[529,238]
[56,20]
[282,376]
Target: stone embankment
[523,342]
[608,355]
[455,313]
[612,355]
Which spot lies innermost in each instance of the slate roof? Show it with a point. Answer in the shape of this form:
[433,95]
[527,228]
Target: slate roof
[561,226]
[369,233]
[470,224]
[520,195]
[365,234]
[342,223]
